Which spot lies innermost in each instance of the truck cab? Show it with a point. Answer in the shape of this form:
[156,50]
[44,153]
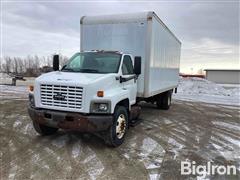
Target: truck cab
[94,92]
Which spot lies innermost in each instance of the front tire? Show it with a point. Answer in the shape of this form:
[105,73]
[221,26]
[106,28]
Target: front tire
[44,130]
[116,133]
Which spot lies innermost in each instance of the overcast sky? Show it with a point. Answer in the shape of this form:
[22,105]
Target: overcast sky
[209,30]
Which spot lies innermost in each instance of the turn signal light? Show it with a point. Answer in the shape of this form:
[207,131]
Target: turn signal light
[31,88]
[100,93]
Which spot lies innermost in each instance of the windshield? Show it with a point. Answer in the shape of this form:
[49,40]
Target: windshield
[94,62]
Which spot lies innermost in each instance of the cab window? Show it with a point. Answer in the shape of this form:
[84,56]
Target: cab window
[127,66]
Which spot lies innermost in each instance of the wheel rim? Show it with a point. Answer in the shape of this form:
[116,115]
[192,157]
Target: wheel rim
[121,126]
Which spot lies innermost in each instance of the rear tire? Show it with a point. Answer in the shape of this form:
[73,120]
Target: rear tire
[115,135]
[44,130]
[164,100]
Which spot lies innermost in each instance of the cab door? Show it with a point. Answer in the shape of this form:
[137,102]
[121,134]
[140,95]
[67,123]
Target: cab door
[128,72]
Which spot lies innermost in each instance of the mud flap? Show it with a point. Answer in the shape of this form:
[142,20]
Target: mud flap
[135,122]
[134,116]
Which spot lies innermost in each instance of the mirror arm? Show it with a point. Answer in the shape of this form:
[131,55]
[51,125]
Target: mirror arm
[123,79]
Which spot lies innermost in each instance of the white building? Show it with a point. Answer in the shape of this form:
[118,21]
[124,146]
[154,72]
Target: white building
[223,76]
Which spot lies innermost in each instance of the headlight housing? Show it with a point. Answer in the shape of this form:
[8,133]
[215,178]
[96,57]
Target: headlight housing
[100,107]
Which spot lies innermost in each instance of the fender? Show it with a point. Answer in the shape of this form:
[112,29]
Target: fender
[116,97]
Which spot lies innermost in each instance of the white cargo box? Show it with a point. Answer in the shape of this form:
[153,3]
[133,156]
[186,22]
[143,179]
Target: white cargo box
[140,34]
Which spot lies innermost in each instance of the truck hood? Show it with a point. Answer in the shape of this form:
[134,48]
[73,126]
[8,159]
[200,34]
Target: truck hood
[58,77]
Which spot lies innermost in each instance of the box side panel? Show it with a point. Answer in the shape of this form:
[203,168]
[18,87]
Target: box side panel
[164,60]
[124,37]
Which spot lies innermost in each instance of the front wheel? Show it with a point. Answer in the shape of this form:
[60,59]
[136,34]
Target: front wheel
[116,133]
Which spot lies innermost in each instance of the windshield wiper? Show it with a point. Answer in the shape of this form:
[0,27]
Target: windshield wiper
[68,69]
[89,70]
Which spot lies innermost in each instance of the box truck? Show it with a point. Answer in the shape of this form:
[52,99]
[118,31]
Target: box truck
[123,59]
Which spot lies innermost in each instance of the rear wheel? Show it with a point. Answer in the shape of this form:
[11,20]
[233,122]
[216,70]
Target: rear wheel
[164,100]
[116,133]
[44,130]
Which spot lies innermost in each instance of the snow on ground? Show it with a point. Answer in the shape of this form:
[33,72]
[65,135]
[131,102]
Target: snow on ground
[7,91]
[4,76]
[202,90]
[13,92]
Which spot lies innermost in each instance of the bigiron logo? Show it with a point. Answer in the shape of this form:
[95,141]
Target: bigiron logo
[190,168]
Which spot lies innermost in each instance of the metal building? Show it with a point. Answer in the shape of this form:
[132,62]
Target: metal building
[223,76]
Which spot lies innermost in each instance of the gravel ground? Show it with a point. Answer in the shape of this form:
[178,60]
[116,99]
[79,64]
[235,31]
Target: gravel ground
[152,150]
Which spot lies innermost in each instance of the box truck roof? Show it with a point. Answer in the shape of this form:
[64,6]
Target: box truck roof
[124,18]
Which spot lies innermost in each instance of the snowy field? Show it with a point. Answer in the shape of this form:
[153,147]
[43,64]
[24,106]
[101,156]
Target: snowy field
[13,92]
[202,90]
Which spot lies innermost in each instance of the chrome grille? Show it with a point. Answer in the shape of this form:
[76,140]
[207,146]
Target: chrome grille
[61,96]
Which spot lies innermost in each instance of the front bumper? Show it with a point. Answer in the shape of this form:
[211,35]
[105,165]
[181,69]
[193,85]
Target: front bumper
[70,120]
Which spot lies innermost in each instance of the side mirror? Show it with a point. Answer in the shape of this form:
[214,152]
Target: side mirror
[56,62]
[137,65]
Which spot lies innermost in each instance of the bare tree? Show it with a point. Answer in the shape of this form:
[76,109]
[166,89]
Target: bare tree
[8,64]
[63,60]
[15,65]
[30,66]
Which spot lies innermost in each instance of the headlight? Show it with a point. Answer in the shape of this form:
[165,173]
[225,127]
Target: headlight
[103,107]
[100,107]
